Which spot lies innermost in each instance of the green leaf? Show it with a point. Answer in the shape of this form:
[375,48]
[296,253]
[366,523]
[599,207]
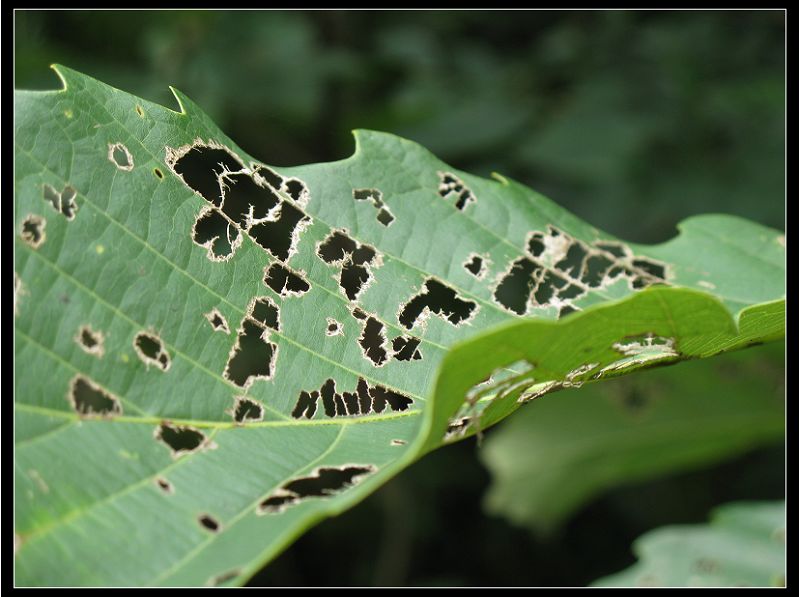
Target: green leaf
[743,546]
[198,381]
[579,443]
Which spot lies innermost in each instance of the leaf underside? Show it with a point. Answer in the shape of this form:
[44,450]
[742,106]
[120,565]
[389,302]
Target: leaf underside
[631,429]
[212,355]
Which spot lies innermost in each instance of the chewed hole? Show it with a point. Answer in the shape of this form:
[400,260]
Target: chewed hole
[221,579]
[63,201]
[180,439]
[324,482]
[372,342]
[164,485]
[476,266]
[384,217]
[139,111]
[252,357]
[209,523]
[90,341]
[440,299]
[247,409]
[266,311]
[355,260]
[361,400]
[88,399]
[119,155]
[284,281]
[334,328]
[32,231]
[151,350]
[217,321]
[158,173]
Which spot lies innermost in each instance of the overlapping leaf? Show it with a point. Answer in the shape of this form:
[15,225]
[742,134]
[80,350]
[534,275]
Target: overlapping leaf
[212,355]
[581,442]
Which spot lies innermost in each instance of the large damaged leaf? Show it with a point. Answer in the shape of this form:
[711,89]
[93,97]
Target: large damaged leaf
[213,354]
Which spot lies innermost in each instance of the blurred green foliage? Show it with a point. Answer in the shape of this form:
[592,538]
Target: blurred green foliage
[633,120]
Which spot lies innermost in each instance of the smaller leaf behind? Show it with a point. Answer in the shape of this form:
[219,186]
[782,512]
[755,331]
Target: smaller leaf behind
[743,546]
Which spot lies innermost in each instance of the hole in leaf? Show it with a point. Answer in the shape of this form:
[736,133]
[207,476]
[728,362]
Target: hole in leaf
[572,263]
[209,523]
[406,348]
[439,299]
[375,196]
[271,177]
[546,288]
[615,249]
[475,266]
[373,340]
[200,167]
[395,400]
[247,409]
[280,236]
[596,266]
[334,328]
[284,281]
[306,405]
[164,485]
[384,217]
[354,258]
[652,268]
[222,578]
[277,502]
[264,310]
[88,399]
[336,248]
[158,173]
[151,350]
[139,111]
[364,400]
[328,393]
[457,428]
[398,442]
[217,321]
[536,245]
[451,184]
[90,341]
[358,313]
[251,357]
[32,230]
[63,202]
[216,234]
[514,288]
[297,190]
[245,201]
[324,482]
[637,350]
[565,310]
[119,155]
[180,439]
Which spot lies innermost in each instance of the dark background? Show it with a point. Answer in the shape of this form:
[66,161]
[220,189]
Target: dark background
[632,120]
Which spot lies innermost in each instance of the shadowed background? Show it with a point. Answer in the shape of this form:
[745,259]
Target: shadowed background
[631,120]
